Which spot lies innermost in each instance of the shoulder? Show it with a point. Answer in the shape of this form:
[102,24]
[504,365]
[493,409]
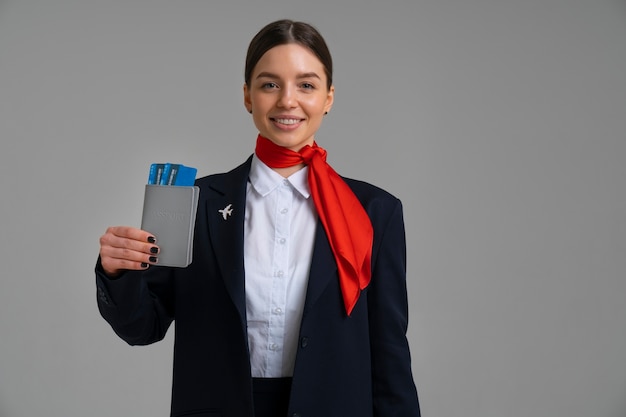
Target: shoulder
[368,193]
[225,180]
[378,203]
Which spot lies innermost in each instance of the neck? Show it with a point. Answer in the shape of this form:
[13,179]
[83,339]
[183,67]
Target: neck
[286,172]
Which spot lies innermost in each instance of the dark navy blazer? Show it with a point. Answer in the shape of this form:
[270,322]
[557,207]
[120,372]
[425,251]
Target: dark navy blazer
[355,366]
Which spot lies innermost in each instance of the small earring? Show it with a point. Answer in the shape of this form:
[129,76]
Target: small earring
[250,111]
[325,113]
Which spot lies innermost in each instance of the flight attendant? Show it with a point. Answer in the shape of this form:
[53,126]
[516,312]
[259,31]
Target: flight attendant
[295,303]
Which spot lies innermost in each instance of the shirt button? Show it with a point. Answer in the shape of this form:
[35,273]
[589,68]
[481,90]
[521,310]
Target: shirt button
[304,342]
[284,211]
[282,240]
[280,273]
[274,347]
[278,310]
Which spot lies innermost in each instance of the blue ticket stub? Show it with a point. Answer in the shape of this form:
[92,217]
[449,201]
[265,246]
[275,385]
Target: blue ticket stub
[156,172]
[172,174]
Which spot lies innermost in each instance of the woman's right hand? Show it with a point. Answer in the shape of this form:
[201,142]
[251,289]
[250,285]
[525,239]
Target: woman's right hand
[127,248]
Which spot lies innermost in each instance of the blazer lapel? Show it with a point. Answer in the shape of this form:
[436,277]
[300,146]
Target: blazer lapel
[225,210]
[323,268]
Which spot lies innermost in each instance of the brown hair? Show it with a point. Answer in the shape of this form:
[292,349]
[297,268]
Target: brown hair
[287,31]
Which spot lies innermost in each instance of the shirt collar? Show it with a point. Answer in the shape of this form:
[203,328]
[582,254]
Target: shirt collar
[264,179]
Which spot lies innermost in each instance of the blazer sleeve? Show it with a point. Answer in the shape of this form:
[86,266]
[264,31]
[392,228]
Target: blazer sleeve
[394,392]
[139,305]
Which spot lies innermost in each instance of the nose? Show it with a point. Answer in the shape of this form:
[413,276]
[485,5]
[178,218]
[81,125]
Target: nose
[288,98]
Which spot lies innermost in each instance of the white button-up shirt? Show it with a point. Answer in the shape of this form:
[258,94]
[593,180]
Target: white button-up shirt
[279,230]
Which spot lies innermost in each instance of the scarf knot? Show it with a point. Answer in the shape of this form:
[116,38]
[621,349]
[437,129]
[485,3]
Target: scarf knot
[347,225]
[309,152]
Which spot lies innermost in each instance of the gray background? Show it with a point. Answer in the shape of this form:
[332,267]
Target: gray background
[500,124]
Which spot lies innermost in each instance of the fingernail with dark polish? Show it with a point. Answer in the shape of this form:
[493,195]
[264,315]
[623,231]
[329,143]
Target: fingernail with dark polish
[154,249]
[153,259]
[151,239]
[144,265]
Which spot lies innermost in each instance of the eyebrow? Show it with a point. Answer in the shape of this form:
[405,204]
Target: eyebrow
[299,76]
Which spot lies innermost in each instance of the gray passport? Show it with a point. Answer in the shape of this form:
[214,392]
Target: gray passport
[169,213]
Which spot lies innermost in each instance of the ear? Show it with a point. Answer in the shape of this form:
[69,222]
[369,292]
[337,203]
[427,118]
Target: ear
[330,98]
[246,98]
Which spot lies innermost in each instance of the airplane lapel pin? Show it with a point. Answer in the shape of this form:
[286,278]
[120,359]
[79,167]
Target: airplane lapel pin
[226,211]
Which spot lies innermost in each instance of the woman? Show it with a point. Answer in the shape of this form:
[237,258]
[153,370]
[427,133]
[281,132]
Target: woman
[295,303]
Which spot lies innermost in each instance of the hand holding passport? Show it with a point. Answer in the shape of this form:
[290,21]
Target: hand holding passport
[169,211]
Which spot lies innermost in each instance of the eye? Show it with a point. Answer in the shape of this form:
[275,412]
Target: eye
[269,85]
[307,86]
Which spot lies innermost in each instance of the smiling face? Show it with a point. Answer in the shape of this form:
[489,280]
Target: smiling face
[288,95]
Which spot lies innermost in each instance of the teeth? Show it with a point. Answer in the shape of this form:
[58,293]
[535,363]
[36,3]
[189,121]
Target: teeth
[287,121]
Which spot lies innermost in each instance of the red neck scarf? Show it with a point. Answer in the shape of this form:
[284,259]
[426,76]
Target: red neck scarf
[345,221]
